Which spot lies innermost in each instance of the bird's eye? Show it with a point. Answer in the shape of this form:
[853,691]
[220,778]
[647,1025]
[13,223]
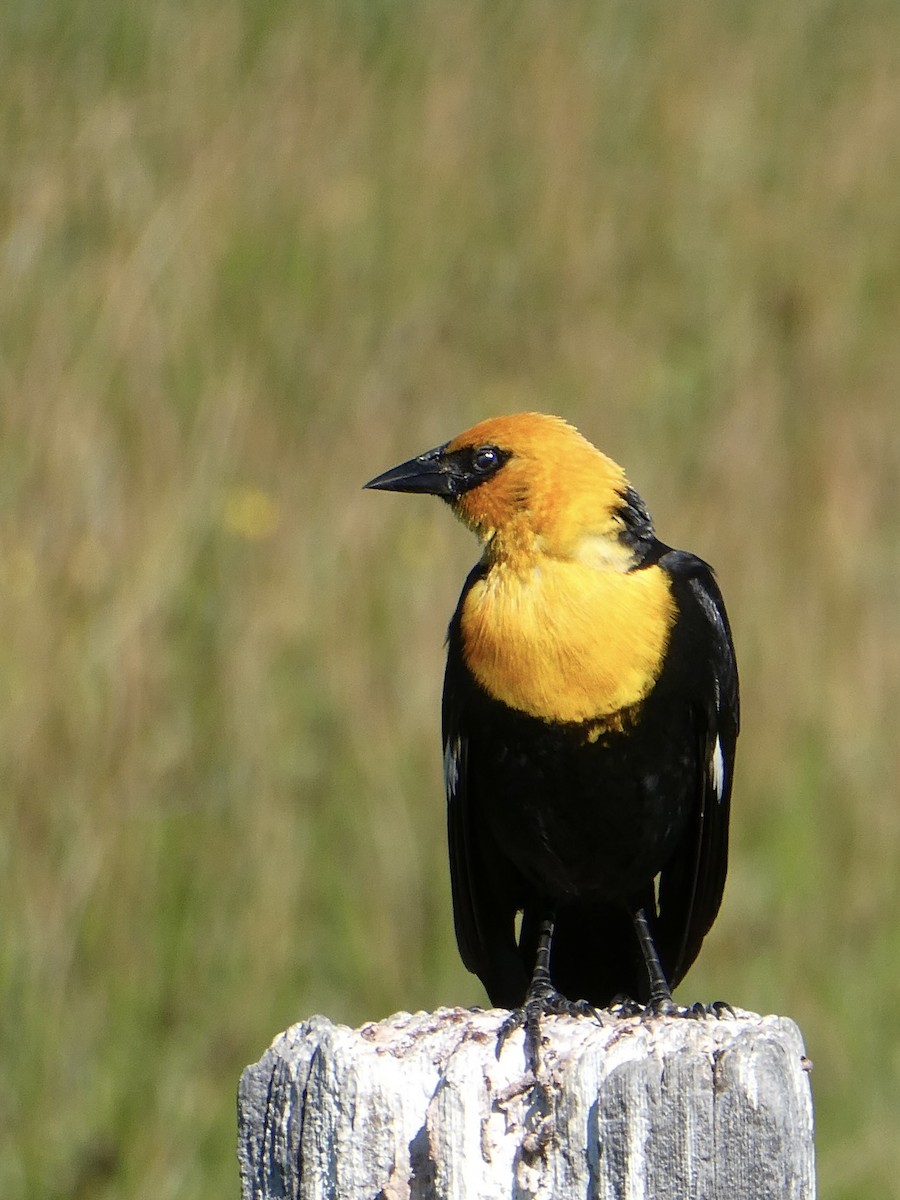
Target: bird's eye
[485,458]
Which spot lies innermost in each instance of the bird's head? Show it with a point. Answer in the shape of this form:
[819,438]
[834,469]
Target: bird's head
[530,484]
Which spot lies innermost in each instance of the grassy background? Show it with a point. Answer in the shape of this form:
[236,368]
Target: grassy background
[250,255]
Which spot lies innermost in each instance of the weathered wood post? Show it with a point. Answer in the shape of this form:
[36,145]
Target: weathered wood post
[419,1106]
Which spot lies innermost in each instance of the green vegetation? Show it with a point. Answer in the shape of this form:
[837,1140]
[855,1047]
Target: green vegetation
[252,254]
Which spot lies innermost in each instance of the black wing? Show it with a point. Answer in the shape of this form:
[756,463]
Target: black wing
[691,886]
[485,889]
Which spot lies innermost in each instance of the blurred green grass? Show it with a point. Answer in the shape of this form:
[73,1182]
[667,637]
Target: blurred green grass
[251,255]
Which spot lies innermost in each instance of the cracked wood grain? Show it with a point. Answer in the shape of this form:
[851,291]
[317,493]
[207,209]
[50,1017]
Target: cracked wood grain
[419,1107]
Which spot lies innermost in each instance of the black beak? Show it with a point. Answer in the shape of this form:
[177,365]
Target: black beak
[430,472]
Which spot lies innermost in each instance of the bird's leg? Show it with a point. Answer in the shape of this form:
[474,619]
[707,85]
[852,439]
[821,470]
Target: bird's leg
[541,985]
[540,990]
[541,999]
[660,1003]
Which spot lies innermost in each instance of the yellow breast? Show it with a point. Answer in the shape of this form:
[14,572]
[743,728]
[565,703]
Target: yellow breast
[566,641]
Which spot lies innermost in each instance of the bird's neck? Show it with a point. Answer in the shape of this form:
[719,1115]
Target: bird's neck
[520,549]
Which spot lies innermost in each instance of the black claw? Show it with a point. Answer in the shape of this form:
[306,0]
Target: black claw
[584,1008]
[700,1011]
[526,1018]
[542,1001]
[514,1021]
[622,1006]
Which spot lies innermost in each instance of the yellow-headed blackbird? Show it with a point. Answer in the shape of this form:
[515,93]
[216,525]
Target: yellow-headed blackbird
[590,716]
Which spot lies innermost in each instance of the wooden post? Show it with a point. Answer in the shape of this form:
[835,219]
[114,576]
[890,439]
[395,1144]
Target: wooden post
[419,1106]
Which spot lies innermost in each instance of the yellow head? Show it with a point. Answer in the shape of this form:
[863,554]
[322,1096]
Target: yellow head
[527,484]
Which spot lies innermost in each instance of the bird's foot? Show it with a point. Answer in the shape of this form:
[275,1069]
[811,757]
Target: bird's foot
[721,1010]
[622,1006]
[665,1006]
[541,1001]
[662,1006]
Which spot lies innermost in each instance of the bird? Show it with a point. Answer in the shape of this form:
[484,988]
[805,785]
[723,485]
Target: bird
[589,720]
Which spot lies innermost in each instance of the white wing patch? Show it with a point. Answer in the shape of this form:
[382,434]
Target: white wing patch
[451,766]
[717,758]
[717,770]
